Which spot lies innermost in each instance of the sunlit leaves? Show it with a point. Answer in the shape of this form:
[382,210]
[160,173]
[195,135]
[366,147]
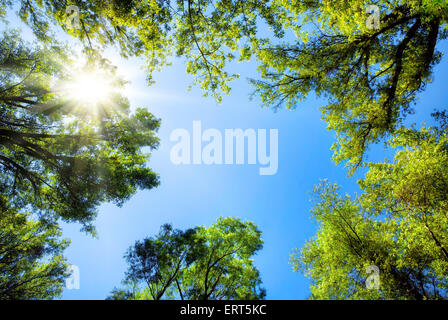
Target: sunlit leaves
[197,264]
[399,223]
[371,77]
[209,34]
[60,155]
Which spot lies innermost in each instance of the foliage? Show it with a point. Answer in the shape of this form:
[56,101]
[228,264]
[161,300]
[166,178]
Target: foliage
[398,224]
[207,33]
[31,261]
[196,264]
[60,157]
[160,261]
[371,77]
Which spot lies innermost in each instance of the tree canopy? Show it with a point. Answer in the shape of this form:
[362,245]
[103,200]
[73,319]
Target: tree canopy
[197,264]
[371,76]
[31,261]
[205,32]
[62,156]
[59,155]
[398,224]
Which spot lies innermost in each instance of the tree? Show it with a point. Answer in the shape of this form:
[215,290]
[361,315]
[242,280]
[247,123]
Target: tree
[226,270]
[205,32]
[371,75]
[59,155]
[196,264]
[161,261]
[398,224]
[31,261]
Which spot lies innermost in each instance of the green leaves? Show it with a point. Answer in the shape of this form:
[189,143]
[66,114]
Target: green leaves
[398,223]
[226,270]
[196,264]
[371,77]
[31,261]
[209,34]
[64,157]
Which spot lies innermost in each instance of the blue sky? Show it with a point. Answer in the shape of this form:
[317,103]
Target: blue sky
[191,195]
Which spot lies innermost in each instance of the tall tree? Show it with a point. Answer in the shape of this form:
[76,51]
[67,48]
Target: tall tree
[62,155]
[31,261]
[197,264]
[398,224]
[226,269]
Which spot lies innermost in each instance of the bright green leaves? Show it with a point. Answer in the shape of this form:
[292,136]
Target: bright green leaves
[345,245]
[61,155]
[398,224]
[209,34]
[226,270]
[31,261]
[417,180]
[436,7]
[370,76]
[196,264]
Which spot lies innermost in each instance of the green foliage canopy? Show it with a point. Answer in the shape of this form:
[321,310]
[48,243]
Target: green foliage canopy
[207,33]
[371,77]
[197,264]
[31,261]
[61,157]
[399,224]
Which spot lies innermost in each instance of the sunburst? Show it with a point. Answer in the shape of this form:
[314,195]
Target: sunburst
[89,88]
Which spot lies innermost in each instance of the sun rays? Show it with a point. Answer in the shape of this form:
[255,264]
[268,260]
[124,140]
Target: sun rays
[90,88]
[94,93]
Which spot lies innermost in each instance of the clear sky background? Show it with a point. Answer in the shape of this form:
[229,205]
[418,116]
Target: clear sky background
[191,195]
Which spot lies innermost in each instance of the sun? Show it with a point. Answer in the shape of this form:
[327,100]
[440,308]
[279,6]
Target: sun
[89,88]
